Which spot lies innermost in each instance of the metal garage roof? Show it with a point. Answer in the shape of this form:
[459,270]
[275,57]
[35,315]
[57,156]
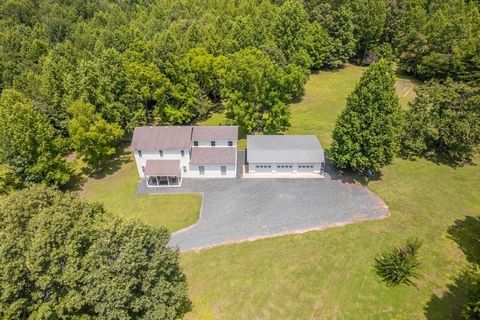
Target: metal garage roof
[284,149]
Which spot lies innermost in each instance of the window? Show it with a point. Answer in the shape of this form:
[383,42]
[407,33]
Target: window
[140,153]
[143,169]
[230,143]
[195,143]
[160,152]
[212,143]
[201,170]
[182,152]
[184,169]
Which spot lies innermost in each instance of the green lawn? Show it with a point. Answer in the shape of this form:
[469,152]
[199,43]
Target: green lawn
[325,97]
[116,190]
[328,274]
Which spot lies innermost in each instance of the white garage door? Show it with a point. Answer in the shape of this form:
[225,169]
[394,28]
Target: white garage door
[263,168]
[305,168]
[284,167]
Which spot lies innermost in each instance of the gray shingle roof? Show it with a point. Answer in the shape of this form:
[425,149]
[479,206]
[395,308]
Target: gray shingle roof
[213,155]
[215,133]
[284,149]
[162,168]
[164,137]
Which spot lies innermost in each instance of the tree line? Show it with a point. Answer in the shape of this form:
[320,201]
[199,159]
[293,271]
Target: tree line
[91,71]
[78,75]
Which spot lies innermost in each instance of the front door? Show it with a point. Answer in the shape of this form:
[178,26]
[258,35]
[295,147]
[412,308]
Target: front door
[201,169]
[223,169]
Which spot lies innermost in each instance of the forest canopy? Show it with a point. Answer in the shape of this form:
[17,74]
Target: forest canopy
[176,61]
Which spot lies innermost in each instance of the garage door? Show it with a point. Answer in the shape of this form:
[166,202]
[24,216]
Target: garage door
[284,168]
[263,168]
[305,168]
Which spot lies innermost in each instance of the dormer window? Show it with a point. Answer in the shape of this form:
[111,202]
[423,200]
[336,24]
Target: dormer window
[140,153]
[182,152]
[160,152]
[195,143]
[212,143]
[230,143]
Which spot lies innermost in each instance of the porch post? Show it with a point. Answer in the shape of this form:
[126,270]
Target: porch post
[168,180]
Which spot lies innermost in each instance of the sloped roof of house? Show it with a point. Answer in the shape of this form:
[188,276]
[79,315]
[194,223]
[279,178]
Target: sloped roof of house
[162,137]
[215,133]
[213,155]
[162,168]
[284,149]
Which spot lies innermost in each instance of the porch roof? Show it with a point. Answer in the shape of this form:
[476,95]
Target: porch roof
[162,168]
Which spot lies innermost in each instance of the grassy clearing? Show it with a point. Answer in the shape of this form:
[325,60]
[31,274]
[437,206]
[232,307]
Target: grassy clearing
[328,274]
[115,188]
[325,96]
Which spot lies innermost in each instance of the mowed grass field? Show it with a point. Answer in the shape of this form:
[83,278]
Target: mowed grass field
[328,274]
[115,188]
[324,99]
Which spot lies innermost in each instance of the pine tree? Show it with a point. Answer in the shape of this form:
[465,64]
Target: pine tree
[366,134]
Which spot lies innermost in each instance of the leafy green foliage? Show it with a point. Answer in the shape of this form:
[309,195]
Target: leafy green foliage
[444,119]
[445,42]
[63,258]
[366,134]
[257,91]
[92,137]
[29,144]
[8,179]
[399,265]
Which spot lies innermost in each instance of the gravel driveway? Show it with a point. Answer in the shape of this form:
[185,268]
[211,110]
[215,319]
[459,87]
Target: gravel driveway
[236,210]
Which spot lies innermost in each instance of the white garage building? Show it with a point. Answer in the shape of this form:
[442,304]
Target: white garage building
[290,154]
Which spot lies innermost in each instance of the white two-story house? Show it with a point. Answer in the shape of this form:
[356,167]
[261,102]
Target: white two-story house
[166,154]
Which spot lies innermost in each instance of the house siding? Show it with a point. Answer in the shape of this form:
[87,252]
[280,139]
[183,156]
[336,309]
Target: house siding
[155,155]
[212,171]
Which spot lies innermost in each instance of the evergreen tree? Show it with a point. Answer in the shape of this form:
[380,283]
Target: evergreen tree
[366,134]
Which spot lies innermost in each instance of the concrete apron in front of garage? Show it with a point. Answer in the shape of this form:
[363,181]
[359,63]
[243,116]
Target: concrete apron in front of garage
[236,210]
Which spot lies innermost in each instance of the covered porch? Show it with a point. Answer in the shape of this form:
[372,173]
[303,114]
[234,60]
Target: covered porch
[163,173]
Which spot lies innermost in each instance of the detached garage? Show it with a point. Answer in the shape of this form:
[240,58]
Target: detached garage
[284,154]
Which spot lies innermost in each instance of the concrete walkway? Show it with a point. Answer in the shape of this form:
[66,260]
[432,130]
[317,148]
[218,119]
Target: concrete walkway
[236,210]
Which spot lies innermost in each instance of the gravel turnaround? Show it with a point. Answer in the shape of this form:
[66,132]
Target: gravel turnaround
[236,210]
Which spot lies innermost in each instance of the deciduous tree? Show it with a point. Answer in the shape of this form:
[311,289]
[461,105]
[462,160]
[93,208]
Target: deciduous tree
[29,144]
[92,137]
[444,119]
[257,91]
[61,258]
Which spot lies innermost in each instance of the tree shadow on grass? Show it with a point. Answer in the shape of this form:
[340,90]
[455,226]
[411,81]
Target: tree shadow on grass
[448,304]
[80,177]
[466,233]
[122,156]
[436,158]
[348,176]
